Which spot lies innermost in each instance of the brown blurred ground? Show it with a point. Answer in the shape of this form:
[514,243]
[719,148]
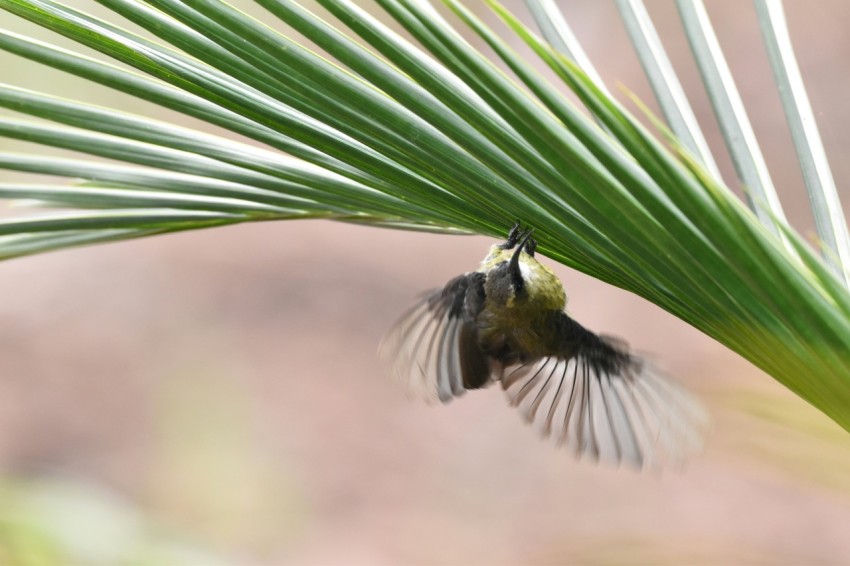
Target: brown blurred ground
[225,383]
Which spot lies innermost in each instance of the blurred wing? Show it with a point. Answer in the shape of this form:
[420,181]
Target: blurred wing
[621,413]
[433,349]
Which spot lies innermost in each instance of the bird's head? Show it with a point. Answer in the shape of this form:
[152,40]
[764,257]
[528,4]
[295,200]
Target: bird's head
[516,281]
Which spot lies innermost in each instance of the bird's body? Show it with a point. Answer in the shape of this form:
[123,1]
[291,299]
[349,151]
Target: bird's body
[505,322]
[526,319]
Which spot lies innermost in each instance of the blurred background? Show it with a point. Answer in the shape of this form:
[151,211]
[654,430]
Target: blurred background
[214,397]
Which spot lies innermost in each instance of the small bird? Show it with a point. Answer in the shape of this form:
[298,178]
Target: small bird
[506,323]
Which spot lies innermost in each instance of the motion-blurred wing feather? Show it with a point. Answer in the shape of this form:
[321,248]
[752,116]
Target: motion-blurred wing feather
[621,413]
[433,349]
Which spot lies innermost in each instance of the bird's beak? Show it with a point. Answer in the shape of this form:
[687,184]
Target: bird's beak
[514,265]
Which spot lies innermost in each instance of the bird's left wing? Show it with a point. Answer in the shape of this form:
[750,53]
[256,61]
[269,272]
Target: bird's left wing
[604,403]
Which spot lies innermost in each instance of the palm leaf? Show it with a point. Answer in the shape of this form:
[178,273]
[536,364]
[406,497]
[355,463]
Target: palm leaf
[379,130]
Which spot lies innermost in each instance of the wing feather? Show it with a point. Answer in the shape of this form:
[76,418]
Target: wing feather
[433,349]
[633,416]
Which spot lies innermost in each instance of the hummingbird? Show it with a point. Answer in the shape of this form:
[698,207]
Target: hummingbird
[506,323]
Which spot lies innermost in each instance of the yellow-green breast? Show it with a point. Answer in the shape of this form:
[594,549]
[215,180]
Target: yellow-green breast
[544,291]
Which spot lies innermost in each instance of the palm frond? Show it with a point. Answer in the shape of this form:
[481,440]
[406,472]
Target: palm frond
[434,136]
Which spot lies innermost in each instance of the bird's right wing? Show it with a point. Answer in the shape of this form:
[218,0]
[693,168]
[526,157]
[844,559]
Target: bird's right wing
[433,349]
[604,403]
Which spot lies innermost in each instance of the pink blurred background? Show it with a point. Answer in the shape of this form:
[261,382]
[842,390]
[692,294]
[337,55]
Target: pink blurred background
[222,388]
